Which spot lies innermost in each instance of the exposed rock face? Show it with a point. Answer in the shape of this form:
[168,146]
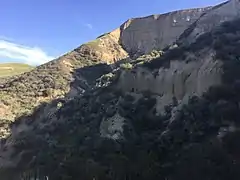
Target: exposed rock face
[139,36]
[180,80]
[224,12]
[142,35]
[135,37]
[112,127]
[174,117]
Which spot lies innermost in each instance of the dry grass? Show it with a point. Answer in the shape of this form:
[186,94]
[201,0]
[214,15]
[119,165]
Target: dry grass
[10,69]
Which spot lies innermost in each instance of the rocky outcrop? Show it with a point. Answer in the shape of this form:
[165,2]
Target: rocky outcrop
[113,127]
[139,36]
[181,79]
[164,119]
[214,17]
[142,35]
[135,37]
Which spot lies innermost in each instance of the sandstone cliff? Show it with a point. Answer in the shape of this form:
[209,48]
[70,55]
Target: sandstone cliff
[140,126]
[135,37]
[142,35]
[139,36]
[214,17]
[181,79]
[171,117]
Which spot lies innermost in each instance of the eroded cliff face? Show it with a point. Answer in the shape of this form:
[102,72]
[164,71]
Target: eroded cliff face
[214,17]
[142,35]
[135,37]
[139,36]
[84,122]
[180,80]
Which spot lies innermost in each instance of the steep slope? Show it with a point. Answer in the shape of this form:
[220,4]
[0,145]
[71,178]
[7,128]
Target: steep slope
[214,17]
[175,117]
[142,35]
[138,36]
[20,94]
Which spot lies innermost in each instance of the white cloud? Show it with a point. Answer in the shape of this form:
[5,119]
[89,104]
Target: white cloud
[89,26]
[29,55]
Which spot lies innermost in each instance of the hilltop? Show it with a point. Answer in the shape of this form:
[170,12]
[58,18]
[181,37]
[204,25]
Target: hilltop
[157,98]
[11,69]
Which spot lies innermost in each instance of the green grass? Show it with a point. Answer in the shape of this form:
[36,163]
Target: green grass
[94,44]
[10,69]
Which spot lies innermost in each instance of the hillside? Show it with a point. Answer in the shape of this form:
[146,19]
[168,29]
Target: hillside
[53,79]
[132,104]
[11,69]
[114,133]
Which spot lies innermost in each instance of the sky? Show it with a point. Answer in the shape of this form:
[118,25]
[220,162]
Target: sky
[37,31]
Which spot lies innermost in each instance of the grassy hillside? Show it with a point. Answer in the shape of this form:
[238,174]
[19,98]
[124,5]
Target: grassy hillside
[10,69]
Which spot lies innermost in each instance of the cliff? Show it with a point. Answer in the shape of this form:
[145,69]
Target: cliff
[126,110]
[224,12]
[52,80]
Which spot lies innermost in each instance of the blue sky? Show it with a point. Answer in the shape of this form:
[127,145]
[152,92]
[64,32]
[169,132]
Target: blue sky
[36,31]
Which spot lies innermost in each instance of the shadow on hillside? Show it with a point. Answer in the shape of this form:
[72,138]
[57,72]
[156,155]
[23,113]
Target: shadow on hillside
[84,80]
[200,119]
[188,147]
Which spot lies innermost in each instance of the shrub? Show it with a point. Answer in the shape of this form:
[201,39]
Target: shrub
[126,66]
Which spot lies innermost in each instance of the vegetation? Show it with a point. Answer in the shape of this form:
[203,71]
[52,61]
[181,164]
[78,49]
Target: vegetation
[152,55]
[126,66]
[190,146]
[147,57]
[94,44]
[63,139]
[20,94]
[11,69]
